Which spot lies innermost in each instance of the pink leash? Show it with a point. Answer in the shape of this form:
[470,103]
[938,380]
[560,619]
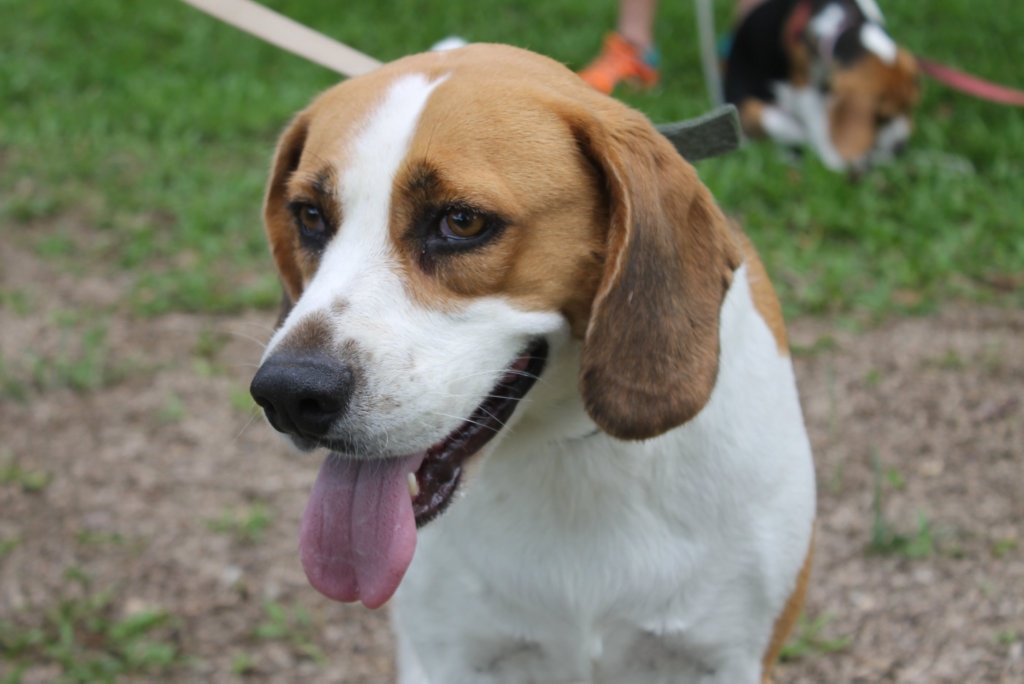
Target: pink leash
[972,85]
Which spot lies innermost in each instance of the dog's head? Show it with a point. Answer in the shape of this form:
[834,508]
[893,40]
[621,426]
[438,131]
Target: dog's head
[875,85]
[449,230]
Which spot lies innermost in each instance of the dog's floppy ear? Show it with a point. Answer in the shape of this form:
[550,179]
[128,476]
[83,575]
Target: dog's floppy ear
[852,123]
[276,217]
[650,352]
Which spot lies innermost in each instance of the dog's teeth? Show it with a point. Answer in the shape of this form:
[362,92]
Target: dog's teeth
[414,486]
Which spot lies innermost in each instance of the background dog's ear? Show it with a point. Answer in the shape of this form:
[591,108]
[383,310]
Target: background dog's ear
[851,123]
[277,219]
[650,353]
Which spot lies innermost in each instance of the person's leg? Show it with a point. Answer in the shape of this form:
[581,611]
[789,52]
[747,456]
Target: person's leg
[629,53]
[636,22]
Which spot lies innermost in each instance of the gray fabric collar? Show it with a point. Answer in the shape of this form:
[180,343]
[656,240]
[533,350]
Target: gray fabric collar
[711,135]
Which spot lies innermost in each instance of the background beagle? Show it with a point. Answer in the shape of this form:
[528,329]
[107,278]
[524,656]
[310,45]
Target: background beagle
[515,313]
[826,74]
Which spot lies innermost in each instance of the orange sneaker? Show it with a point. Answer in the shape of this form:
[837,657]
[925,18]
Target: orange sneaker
[621,61]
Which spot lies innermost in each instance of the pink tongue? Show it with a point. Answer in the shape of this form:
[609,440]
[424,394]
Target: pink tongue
[359,533]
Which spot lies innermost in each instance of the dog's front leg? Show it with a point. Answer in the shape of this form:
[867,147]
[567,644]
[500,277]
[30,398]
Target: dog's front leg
[811,108]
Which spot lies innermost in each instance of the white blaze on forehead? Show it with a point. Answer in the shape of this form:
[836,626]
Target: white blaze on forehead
[874,38]
[872,11]
[359,255]
[383,142]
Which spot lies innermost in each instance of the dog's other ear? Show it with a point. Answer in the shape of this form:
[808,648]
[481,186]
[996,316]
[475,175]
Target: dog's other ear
[650,352]
[851,120]
[277,218]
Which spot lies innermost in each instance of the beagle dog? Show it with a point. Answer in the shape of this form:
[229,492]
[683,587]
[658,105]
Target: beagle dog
[564,436]
[823,73]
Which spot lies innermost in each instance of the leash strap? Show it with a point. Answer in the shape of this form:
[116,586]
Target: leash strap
[710,135]
[287,34]
[972,85]
[707,136]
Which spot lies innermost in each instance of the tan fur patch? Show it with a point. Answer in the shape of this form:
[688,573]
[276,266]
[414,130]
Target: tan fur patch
[787,620]
[867,93]
[536,184]
[277,220]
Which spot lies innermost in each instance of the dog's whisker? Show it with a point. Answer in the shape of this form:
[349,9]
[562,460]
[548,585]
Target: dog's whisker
[235,334]
[254,415]
[472,422]
[248,365]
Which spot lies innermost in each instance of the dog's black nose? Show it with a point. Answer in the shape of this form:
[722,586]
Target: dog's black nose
[302,394]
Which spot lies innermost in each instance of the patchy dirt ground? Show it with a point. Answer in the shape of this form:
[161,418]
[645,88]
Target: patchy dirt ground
[157,491]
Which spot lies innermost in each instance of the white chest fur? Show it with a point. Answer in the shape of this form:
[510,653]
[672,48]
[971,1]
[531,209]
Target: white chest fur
[587,559]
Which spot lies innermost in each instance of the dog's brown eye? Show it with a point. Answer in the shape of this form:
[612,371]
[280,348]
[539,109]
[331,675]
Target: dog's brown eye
[310,219]
[461,224]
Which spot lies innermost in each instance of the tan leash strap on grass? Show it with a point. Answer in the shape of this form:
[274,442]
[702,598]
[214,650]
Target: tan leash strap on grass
[289,35]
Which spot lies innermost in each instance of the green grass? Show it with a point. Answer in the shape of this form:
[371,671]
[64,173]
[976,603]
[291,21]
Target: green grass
[30,480]
[136,137]
[88,640]
[807,639]
[80,360]
[247,524]
[294,627]
[885,539]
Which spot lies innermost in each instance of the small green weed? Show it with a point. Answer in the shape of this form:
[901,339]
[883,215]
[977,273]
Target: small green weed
[885,540]
[807,639]
[87,537]
[173,409]
[242,400]
[835,481]
[11,386]
[9,544]
[81,362]
[873,378]
[894,478]
[210,342]
[247,524]
[59,244]
[1005,637]
[17,301]
[822,344]
[89,642]
[30,480]
[242,664]
[294,627]
[1003,546]
[951,360]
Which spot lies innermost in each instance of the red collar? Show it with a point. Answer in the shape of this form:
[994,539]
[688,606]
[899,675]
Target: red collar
[797,22]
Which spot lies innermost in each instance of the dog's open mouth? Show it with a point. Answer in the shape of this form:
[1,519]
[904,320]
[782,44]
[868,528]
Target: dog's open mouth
[359,530]
[435,482]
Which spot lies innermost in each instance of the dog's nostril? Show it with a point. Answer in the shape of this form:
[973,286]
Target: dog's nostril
[316,409]
[302,394]
[309,405]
